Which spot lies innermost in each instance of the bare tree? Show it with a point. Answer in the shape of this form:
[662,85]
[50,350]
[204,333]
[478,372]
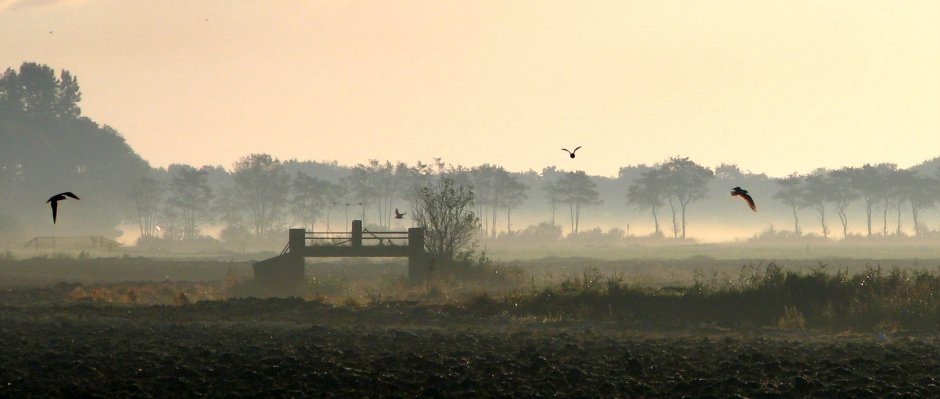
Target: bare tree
[446,211]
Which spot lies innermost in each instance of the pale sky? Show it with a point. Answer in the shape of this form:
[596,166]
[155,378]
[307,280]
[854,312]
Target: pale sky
[774,86]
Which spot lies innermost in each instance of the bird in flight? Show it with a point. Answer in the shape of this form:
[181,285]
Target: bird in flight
[399,215]
[739,192]
[571,153]
[54,201]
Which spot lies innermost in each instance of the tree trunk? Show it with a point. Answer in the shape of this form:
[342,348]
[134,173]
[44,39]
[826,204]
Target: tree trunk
[683,205]
[914,213]
[577,218]
[675,225]
[796,221]
[571,211]
[822,219]
[508,220]
[868,213]
[884,228]
[897,232]
[655,221]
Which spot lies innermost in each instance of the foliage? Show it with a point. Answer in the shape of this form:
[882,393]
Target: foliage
[446,212]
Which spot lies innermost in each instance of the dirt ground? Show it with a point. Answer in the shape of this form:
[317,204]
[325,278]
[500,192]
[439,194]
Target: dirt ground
[292,348]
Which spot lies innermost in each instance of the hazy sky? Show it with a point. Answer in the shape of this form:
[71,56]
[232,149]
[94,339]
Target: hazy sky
[774,86]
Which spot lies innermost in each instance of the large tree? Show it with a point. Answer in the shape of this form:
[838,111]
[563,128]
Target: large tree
[262,186]
[446,212]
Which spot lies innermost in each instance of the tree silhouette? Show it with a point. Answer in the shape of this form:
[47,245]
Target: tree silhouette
[262,187]
[790,193]
[190,195]
[816,196]
[841,194]
[553,196]
[922,193]
[513,194]
[578,191]
[146,195]
[869,182]
[687,182]
[648,192]
[308,198]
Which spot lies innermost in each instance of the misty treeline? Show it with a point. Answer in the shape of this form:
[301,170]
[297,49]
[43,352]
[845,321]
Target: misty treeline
[49,147]
[262,196]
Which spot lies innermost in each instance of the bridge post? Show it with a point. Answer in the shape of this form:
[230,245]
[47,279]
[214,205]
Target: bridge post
[296,241]
[357,233]
[418,265]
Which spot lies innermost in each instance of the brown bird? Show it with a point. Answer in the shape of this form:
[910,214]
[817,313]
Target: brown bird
[54,201]
[739,192]
[571,153]
[399,215]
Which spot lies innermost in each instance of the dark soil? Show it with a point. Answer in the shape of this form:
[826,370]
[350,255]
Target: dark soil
[292,348]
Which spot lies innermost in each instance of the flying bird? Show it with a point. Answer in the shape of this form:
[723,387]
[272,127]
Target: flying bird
[399,215]
[571,153]
[54,201]
[739,192]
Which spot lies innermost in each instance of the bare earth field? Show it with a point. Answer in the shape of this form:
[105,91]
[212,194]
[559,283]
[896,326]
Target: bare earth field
[291,347]
[119,328]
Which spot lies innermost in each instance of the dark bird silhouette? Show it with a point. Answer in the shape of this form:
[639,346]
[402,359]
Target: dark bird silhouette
[739,192]
[571,153]
[54,201]
[399,215]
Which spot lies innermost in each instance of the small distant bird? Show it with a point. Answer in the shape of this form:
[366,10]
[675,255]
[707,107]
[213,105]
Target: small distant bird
[54,201]
[739,192]
[399,215]
[571,153]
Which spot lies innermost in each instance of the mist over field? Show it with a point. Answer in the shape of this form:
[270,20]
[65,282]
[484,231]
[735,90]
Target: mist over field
[453,199]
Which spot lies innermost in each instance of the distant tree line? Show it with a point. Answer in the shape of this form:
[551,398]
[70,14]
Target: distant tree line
[880,188]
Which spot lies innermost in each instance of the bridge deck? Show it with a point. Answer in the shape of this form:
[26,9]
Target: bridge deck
[371,251]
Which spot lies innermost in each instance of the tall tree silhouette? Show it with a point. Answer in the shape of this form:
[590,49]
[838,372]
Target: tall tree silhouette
[648,192]
[687,182]
[790,192]
[577,190]
[308,198]
[147,194]
[190,195]
[816,195]
[262,185]
[841,194]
